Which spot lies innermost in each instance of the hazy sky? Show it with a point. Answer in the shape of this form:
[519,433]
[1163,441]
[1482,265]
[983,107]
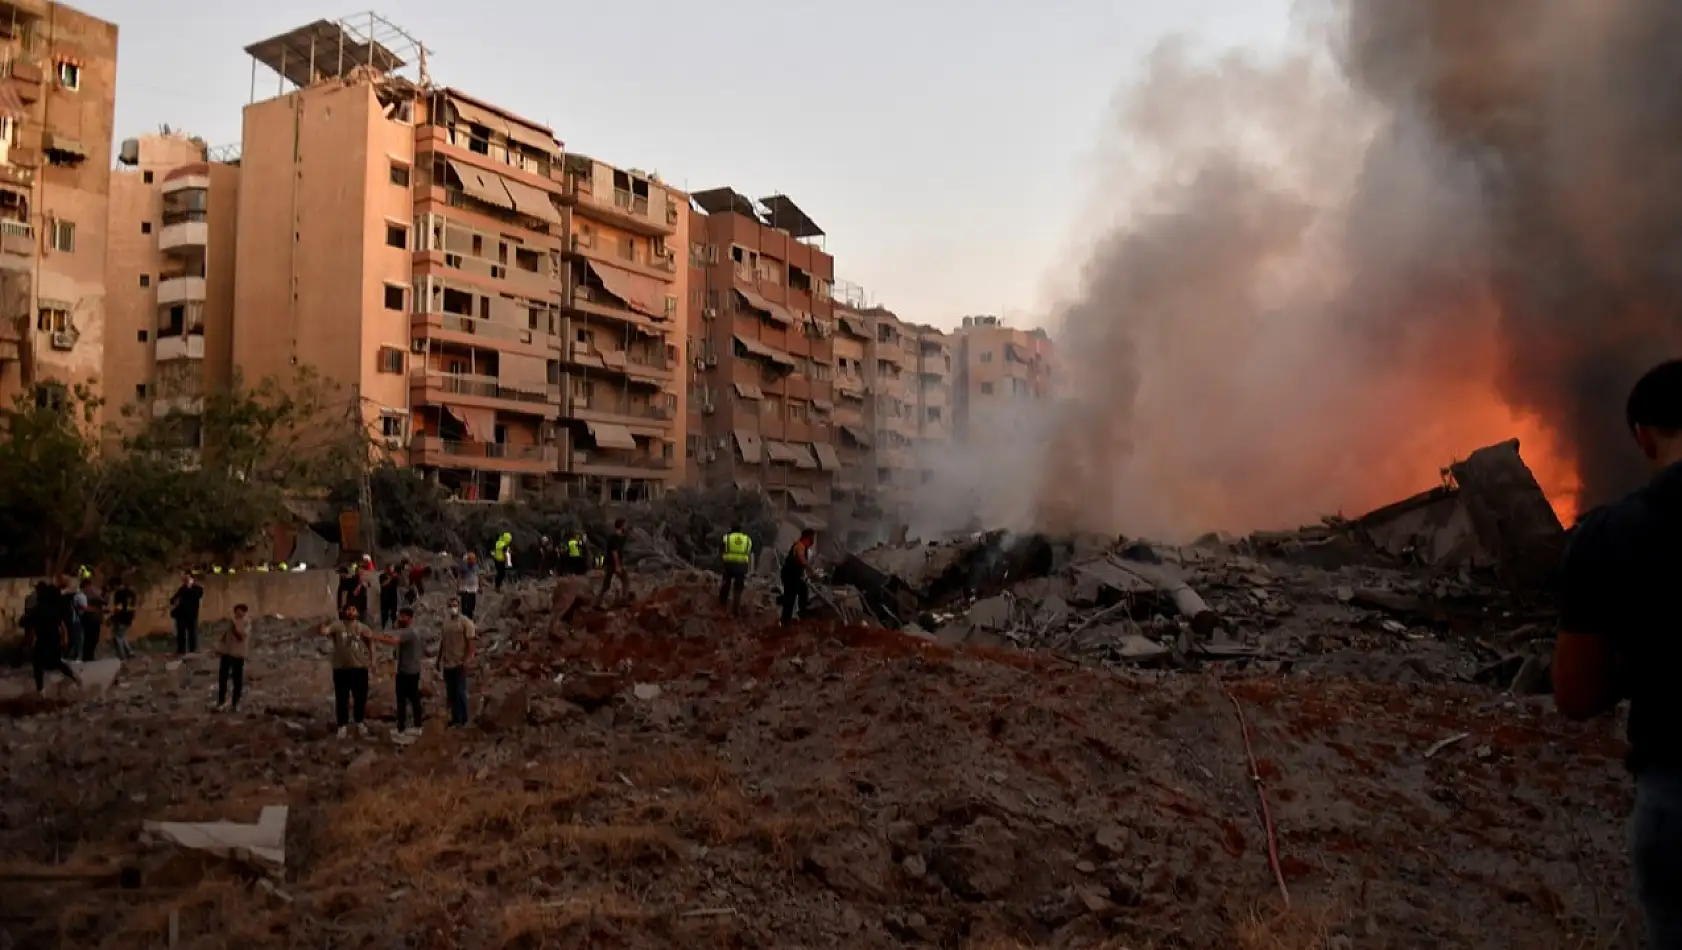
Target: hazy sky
[946,147]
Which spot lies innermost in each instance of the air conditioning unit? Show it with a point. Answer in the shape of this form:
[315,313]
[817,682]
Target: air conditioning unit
[64,340]
[711,313]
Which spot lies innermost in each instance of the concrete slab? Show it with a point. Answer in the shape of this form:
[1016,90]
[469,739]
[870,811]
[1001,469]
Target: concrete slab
[97,678]
[263,842]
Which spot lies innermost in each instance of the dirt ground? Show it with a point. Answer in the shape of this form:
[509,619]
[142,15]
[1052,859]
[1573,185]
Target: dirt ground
[723,783]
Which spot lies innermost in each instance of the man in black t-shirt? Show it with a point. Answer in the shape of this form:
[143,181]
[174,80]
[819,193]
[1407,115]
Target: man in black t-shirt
[184,610]
[124,602]
[613,563]
[1619,639]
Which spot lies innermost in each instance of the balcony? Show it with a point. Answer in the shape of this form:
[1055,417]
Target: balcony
[603,304]
[602,409]
[184,229]
[489,456]
[17,237]
[609,464]
[172,290]
[654,368]
[485,392]
[178,346]
[455,328]
[647,215]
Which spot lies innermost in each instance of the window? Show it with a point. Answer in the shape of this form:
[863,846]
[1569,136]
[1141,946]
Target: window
[986,356]
[63,236]
[146,177]
[145,280]
[52,320]
[390,360]
[393,297]
[397,236]
[400,174]
[628,248]
[140,391]
[141,336]
[391,426]
[671,306]
[50,395]
[146,226]
[70,76]
[986,389]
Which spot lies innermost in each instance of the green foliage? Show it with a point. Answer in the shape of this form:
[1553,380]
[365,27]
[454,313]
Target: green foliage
[148,501]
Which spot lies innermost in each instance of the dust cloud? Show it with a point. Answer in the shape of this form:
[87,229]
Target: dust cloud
[1431,226]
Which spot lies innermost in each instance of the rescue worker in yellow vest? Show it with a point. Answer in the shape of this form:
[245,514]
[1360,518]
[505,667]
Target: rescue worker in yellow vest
[738,557]
[503,554]
[575,563]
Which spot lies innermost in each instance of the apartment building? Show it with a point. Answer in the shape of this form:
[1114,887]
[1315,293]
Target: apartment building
[405,241]
[854,487]
[623,347]
[762,325]
[58,75]
[998,365]
[169,280]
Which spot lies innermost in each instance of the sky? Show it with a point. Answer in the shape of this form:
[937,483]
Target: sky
[949,149]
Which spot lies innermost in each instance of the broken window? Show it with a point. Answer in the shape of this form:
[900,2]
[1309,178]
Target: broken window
[70,76]
[628,248]
[52,320]
[527,260]
[400,174]
[394,297]
[799,279]
[458,302]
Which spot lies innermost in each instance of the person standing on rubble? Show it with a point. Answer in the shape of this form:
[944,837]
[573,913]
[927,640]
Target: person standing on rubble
[613,564]
[48,623]
[738,558]
[467,588]
[1617,641]
[390,586]
[410,650]
[231,650]
[503,554]
[456,649]
[577,563]
[797,590]
[184,610]
[124,604]
[547,557]
[353,654]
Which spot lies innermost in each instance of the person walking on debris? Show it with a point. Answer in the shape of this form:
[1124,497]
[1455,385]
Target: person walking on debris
[577,562]
[547,557]
[797,592]
[503,554]
[124,603]
[456,649]
[411,651]
[232,648]
[48,623]
[78,606]
[613,564]
[184,610]
[467,589]
[390,583]
[367,585]
[353,655]
[1617,641]
[90,614]
[738,557]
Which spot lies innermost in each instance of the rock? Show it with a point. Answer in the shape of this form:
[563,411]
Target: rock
[507,712]
[851,922]
[914,865]
[1133,648]
[1095,901]
[647,692]
[903,834]
[1112,840]
[1086,867]
[262,843]
[994,613]
[981,863]
[1534,677]
[853,865]
[590,690]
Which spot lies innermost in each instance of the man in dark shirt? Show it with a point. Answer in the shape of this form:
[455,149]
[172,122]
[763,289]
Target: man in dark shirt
[796,591]
[49,626]
[184,609]
[613,564]
[1618,639]
[124,602]
[390,584]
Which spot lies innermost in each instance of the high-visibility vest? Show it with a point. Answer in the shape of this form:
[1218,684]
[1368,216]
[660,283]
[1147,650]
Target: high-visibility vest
[574,549]
[283,565]
[83,572]
[501,546]
[738,548]
[216,570]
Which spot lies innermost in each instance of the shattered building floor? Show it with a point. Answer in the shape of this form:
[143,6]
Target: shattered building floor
[667,776]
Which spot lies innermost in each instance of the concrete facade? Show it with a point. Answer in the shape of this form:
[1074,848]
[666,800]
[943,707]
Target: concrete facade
[762,383]
[169,281]
[57,100]
[996,366]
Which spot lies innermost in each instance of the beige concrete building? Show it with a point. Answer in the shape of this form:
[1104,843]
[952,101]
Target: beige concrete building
[58,74]
[996,366]
[623,348]
[762,330]
[169,280]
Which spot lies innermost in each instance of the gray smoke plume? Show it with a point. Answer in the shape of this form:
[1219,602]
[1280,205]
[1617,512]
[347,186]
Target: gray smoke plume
[1435,225]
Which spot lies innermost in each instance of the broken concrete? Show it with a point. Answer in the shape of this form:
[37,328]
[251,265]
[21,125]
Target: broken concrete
[262,844]
[97,678]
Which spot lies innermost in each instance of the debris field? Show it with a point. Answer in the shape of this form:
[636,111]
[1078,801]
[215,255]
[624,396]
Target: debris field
[1323,739]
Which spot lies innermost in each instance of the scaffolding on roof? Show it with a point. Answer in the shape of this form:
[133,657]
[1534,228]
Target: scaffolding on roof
[329,50]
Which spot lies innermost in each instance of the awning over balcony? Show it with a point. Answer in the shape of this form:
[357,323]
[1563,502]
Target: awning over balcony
[749,391]
[803,457]
[804,498]
[610,436]
[474,114]
[614,359]
[482,185]
[747,444]
[823,405]
[768,353]
[853,326]
[642,294]
[1018,353]
[478,425]
[531,202]
[747,483]
[781,452]
[858,435]
[772,310]
[11,104]
[531,138]
[63,144]
[827,459]
[528,374]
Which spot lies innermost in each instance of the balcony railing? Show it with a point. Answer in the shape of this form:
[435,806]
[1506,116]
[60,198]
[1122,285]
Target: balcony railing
[607,407]
[457,323]
[634,203]
[625,460]
[190,216]
[486,387]
[490,450]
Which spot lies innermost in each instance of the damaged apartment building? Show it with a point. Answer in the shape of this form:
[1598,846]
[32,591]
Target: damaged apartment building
[58,74]
[762,347]
[496,311]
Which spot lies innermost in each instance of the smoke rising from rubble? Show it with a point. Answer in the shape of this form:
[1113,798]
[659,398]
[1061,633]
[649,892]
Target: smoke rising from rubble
[1432,226]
